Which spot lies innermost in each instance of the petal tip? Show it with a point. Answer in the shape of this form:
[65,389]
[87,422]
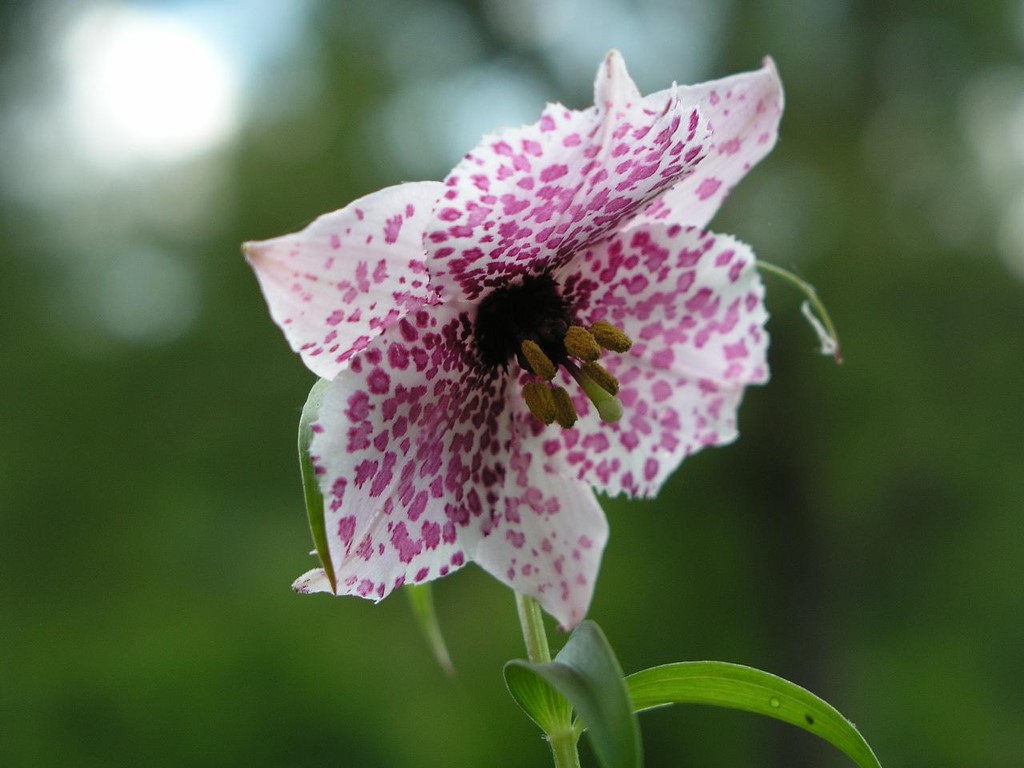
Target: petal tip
[613,84]
[613,59]
[252,250]
[312,581]
[769,65]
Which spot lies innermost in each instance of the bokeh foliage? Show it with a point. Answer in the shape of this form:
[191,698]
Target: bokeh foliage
[863,538]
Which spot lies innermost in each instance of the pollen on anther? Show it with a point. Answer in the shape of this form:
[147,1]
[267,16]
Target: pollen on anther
[611,338]
[538,362]
[565,413]
[580,344]
[540,400]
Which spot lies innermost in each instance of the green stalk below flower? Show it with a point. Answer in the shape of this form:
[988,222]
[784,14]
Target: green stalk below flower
[561,735]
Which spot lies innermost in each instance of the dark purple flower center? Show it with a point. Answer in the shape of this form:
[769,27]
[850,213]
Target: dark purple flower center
[534,310]
[532,322]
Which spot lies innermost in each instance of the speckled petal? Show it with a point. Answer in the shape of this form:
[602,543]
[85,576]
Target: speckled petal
[344,279]
[692,302]
[549,541]
[525,199]
[411,448]
[311,582]
[744,112]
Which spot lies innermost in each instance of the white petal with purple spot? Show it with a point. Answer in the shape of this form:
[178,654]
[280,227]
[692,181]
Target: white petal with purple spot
[744,112]
[410,446]
[548,541]
[693,304]
[526,198]
[337,284]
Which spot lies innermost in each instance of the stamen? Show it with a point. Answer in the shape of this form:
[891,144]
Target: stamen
[602,378]
[540,400]
[611,338]
[539,363]
[532,323]
[565,413]
[609,407]
[580,344]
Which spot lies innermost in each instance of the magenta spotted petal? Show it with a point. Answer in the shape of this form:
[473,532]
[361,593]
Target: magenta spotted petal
[416,447]
[693,304]
[549,319]
[411,443]
[526,199]
[337,284]
[549,539]
[744,112]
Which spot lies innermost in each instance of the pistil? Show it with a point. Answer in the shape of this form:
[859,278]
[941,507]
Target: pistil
[600,390]
[600,376]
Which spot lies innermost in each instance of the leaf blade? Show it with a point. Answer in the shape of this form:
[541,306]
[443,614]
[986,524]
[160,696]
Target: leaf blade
[536,697]
[735,686]
[310,488]
[421,598]
[587,673]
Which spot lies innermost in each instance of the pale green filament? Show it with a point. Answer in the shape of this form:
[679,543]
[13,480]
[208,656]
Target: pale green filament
[609,407]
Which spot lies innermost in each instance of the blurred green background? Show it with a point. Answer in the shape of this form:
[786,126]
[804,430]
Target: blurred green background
[863,538]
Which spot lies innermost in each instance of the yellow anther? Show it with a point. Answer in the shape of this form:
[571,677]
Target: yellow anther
[610,337]
[602,378]
[580,344]
[539,363]
[540,400]
[565,413]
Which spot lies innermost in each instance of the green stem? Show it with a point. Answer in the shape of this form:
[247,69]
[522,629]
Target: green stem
[562,737]
[812,296]
[564,750]
[532,621]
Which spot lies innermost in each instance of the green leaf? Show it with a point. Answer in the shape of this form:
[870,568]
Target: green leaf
[739,687]
[545,705]
[310,488]
[421,598]
[586,673]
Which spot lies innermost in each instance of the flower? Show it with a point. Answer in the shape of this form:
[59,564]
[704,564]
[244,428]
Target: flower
[550,318]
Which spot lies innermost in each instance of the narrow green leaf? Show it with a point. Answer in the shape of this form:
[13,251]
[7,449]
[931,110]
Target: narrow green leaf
[310,488]
[739,687]
[421,598]
[586,673]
